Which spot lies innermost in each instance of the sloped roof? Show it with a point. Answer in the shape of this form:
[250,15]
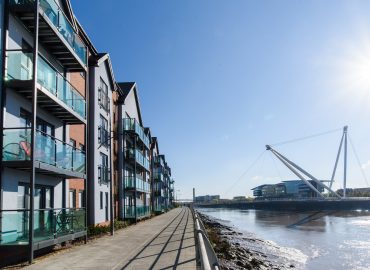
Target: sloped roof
[126,88]
[105,58]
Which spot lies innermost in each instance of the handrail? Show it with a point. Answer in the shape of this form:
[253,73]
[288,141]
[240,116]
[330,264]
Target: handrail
[208,258]
[47,135]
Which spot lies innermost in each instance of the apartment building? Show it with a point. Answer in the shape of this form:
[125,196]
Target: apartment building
[133,157]
[102,86]
[158,187]
[75,152]
[43,51]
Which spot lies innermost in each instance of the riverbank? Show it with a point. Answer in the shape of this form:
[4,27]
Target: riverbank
[236,251]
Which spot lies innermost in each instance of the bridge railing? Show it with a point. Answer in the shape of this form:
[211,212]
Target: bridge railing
[206,255]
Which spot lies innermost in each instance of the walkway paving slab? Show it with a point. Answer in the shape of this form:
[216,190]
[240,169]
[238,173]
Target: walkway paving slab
[163,242]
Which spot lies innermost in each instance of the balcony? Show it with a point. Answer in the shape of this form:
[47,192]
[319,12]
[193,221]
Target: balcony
[142,211]
[158,176]
[130,124]
[103,175]
[158,160]
[136,155]
[51,226]
[159,208]
[141,185]
[56,33]
[55,94]
[104,137]
[52,156]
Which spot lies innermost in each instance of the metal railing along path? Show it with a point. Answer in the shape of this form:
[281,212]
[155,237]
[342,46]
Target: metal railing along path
[207,256]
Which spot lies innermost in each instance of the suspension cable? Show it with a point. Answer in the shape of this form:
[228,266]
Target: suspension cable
[307,137]
[245,172]
[358,161]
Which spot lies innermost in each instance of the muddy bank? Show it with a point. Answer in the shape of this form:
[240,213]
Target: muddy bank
[237,251]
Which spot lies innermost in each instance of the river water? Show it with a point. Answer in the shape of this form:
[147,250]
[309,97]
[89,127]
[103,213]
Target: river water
[310,240]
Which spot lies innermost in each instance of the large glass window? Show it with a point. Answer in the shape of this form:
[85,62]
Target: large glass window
[43,196]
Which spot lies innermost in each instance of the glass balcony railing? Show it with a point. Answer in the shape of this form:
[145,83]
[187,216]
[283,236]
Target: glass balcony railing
[19,67]
[142,211]
[158,160]
[141,185]
[159,208]
[57,18]
[48,224]
[49,150]
[139,157]
[130,124]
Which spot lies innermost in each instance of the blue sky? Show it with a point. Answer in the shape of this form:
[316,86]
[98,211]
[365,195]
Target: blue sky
[220,79]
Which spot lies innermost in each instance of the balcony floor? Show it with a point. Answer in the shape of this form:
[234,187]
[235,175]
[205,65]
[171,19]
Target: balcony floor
[47,101]
[50,37]
[43,168]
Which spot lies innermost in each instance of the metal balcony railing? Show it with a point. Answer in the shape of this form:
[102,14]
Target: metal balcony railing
[103,175]
[104,100]
[104,137]
[48,224]
[49,150]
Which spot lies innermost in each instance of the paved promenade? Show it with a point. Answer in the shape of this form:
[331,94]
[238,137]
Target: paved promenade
[163,242]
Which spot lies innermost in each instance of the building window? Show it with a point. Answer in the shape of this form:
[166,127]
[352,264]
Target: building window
[81,199]
[72,142]
[104,100]
[103,134]
[72,198]
[43,197]
[103,170]
[101,200]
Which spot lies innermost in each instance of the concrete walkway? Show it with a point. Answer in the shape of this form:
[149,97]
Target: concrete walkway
[163,242]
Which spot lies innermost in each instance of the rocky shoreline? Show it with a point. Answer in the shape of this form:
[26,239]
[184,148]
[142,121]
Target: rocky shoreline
[236,251]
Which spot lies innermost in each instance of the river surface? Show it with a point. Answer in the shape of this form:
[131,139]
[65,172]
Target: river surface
[310,240]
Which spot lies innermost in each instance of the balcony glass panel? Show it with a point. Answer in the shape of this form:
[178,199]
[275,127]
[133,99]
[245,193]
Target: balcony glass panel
[57,18]
[141,211]
[49,150]
[60,21]
[141,185]
[130,124]
[55,83]
[19,67]
[48,224]
[140,159]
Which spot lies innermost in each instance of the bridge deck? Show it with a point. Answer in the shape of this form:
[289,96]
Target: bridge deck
[163,242]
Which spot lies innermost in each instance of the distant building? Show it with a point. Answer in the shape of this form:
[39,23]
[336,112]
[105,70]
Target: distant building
[207,198]
[355,192]
[287,189]
[239,198]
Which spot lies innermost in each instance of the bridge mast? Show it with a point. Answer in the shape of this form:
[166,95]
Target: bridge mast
[292,166]
[345,162]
